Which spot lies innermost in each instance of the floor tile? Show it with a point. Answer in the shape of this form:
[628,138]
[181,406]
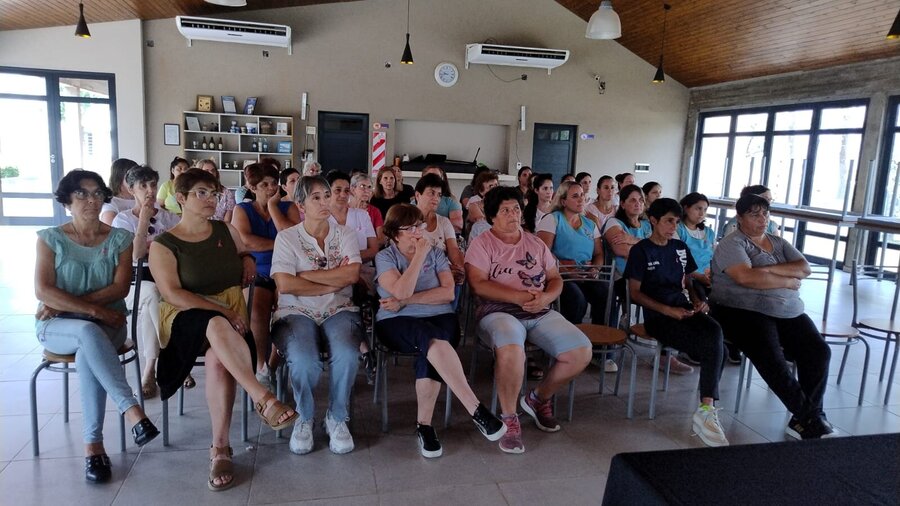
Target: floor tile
[26,482]
[864,420]
[587,490]
[15,435]
[462,495]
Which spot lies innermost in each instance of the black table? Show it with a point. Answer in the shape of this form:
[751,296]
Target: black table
[846,470]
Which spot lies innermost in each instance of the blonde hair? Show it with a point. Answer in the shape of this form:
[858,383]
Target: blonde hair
[561,193]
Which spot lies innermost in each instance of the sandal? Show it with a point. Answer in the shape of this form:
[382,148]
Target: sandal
[220,465]
[149,388]
[189,382]
[278,410]
[535,372]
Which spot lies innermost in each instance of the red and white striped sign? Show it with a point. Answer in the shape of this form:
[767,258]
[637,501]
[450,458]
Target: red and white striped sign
[379,144]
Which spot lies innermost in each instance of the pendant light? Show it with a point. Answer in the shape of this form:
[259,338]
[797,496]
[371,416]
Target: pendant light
[407,58]
[81,30]
[660,76]
[604,24]
[894,33]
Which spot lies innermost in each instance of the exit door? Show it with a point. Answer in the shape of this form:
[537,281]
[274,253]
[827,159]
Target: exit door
[343,141]
[554,149]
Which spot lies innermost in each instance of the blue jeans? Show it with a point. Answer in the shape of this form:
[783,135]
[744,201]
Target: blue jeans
[300,339]
[97,362]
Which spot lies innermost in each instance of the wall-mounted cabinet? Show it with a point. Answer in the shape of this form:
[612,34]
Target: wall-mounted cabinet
[236,140]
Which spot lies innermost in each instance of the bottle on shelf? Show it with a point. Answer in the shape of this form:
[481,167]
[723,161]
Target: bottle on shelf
[220,144]
[254,146]
[204,145]
[227,166]
[287,163]
[265,146]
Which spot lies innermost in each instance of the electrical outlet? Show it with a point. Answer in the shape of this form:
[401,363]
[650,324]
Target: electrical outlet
[310,130]
[518,165]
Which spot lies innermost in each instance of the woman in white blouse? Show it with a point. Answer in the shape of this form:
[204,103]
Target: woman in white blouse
[439,230]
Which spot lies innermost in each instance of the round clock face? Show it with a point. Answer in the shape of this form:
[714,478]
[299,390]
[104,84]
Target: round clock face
[446,74]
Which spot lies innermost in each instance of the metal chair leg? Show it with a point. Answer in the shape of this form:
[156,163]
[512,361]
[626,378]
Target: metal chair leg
[887,392]
[384,400]
[245,401]
[32,389]
[448,399]
[181,401]
[65,383]
[165,422]
[843,362]
[631,383]
[653,382]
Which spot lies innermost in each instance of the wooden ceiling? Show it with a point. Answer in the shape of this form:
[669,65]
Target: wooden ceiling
[707,41]
[715,41]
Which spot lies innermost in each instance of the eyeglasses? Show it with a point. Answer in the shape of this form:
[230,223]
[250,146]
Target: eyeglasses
[418,227]
[151,230]
[206,194]
[82,194]
[364,186]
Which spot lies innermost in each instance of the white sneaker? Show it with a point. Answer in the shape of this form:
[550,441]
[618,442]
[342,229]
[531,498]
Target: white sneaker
[264,377]
[707,427]
[340,439]
[610,366]
[302,437]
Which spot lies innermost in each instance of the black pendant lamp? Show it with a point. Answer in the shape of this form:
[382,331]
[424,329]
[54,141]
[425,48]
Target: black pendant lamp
[894,33]
[660,76]
[407,58]
[81,30]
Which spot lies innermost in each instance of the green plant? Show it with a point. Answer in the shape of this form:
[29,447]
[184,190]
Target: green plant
[8,172]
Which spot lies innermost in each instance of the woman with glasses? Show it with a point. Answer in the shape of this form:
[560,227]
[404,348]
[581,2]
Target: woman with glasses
[756,278]
[82,275]
[146,222]
[203,313]
[259,222]
[165,197]
[360,195]
[227,203]
[416,285]
[315,265]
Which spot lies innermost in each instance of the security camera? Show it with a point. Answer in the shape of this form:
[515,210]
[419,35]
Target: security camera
[597,77]
[387,64]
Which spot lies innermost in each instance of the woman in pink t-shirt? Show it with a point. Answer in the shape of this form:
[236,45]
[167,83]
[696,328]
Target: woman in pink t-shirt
[515,278]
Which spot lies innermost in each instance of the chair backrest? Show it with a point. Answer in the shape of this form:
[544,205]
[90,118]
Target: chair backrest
[592,274]
[860,273]
[137,278]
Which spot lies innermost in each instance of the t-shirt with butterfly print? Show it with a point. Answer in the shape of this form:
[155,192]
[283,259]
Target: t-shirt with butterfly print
[521,266]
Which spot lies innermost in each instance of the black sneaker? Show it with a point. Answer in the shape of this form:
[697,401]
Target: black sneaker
[734,354]
[815,427]
[490,426]
[429,444]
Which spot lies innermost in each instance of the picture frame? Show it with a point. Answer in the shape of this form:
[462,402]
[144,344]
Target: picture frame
[250,105]
[284,147]
[193,124]
[281,128]
[171,134]
[228,104]
[204,103]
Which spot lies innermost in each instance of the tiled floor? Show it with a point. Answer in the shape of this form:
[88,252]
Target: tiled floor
[568,467]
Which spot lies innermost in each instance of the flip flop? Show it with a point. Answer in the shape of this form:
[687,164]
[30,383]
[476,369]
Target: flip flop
[189,382]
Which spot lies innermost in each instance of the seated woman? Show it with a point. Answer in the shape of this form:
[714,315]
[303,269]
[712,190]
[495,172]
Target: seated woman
[121,200]
[622,180]
[353,217]
[258,223]
[146,222]
[475,207]
[602,209]
[757,276]
[524,179]
[416,288]
[165,197]
[312,168]
[360,195]
[658,273]
[82,275]
[515,278]
[652,191]
[225,208]
[386,192]
[438,229]
[203,313]
[699,238]
[760,191]
[540,201]
[469,190]
[315,265]
[449,207]
[622,232]
[584,180]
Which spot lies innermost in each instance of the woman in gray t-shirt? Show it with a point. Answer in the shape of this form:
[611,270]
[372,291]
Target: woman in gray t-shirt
[756,277]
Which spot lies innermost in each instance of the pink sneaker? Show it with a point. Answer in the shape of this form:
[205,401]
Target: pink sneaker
[678,367]
[511,442]
[542,412]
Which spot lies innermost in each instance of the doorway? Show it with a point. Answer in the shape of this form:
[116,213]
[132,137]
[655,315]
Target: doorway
[53,122]
[554,149]
[343,141]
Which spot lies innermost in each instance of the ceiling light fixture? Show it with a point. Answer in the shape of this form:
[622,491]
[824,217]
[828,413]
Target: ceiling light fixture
[81,30]
[407,58]
[228,3]
[604,23]
[660,76]
[894,33]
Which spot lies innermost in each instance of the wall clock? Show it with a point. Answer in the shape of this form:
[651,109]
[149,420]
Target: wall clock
[446,74]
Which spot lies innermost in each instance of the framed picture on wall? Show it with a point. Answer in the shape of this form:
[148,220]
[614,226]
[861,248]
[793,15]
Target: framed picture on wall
[228,104]
[171,134]
[250,105]
[193,123]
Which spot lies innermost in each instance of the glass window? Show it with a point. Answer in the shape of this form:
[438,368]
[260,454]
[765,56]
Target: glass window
[788,159]
[793,120]
[22,84]
[711,173]
[752,122]
[86,137]
[836,156]
[85,88]
[25,153]
[746,166]
[717,125]
[843,117]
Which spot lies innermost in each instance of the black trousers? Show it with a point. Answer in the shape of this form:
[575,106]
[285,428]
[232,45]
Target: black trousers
[700,337]
[767,341]
[577,295]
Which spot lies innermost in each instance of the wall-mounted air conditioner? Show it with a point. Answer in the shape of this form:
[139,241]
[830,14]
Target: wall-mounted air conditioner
[493,54]
[242,32]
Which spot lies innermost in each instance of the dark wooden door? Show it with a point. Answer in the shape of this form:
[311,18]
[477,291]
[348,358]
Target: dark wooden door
[554,149]
[343,141]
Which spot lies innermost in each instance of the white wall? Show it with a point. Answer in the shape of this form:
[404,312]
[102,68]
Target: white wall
[113,48]
[459,141]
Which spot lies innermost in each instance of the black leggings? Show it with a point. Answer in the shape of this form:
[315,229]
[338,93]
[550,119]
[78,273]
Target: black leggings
[700,337]
[767,340]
